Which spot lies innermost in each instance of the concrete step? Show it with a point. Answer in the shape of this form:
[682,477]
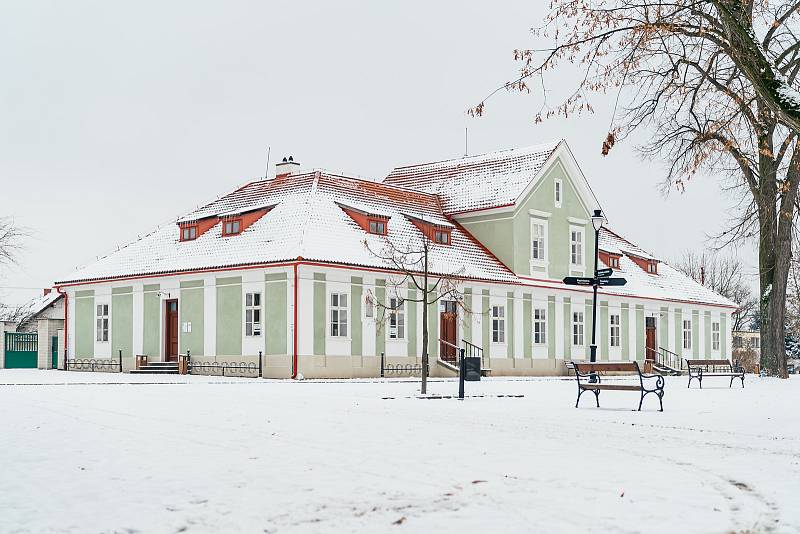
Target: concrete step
[155,371]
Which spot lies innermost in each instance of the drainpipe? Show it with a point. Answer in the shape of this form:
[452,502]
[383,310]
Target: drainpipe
[294,325]
[66,322]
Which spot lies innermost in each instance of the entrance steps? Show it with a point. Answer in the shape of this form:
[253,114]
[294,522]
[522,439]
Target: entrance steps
[665,370]
[157,368]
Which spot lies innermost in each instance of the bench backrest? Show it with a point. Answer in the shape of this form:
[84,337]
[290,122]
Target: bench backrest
[589,367]
[703,363]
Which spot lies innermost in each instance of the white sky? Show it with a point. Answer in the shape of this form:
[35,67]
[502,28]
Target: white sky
[117,118]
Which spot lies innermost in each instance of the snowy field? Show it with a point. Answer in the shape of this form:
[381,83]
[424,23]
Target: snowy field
[84,453]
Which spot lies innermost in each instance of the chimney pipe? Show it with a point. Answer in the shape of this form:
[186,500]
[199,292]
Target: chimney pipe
[287,167]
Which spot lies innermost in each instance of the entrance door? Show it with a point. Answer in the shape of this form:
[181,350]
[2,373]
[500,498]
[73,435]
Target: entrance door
[447,331]
[54,352]
[171,331]
[650,338]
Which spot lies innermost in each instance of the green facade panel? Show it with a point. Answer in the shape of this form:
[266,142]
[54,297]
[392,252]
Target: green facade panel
[191,316]
[679,332]
[276,312]
[411,322]
[695,333]
[485,323]
[122,322]
[151,321]
[380,314]
[527,326]
[229,317]
[604,332]
[510,324]
[707,333]
[356,333]
[84,325]
[551,327]
[467,328]
[625,332]
[639,355]
[567,310]
[320,311]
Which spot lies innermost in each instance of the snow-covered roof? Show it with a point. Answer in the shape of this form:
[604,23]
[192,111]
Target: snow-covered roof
[307,222]
[476,182]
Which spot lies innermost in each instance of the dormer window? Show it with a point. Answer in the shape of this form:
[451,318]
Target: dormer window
[614,261]
[377,227]
[189,233]
[232,227]
[442,236]
[652,267]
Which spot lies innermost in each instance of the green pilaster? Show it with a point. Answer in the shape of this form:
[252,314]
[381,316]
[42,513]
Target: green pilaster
[380,313]
[551,327]
[723,335]
[229,316]
[510,324]
[151,321]
[663,327]
[467,329]
[84,324]
[192,311]
[604,331]
[696,334]
[567,328]
[276,322]
[320,313]
[486,320]
[639,332]
[678,331]
[122,321]
[411,322]
[707,330]
[527,326]
[356,334]
[587,325]
[433,325]
[624,331]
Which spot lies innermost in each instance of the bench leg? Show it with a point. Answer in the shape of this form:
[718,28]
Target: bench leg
[660,403]
[641,400]
[731,384]
[597,397]
[581,391]
[742,380]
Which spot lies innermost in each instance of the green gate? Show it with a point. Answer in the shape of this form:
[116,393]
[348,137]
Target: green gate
[54,345]
[21,350]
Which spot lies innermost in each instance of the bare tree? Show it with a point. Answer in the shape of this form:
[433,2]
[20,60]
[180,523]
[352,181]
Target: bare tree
[684,71]
[413,270]
[11,237]
[724,275]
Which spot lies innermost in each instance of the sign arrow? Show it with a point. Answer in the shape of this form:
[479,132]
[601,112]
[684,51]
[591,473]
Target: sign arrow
[611,281]
[604,273]
[577,281]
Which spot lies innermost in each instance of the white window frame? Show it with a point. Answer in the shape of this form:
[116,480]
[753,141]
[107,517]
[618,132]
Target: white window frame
[687,334]
[614,329]
[498,313]
[578,339]
[251,312]
[102,315]
[558,192]
[715,330]
[581,251]
[755,342]
[539,326]
[342,314]
[397,318]
[542,260]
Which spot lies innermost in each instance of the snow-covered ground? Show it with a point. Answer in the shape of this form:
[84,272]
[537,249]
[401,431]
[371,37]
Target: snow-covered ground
[83,452]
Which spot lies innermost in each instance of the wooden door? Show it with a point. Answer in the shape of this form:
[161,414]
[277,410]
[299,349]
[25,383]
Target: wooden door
[447,331]
[171,331]
[650,338]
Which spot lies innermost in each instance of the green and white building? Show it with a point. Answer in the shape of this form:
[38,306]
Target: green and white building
[284,267]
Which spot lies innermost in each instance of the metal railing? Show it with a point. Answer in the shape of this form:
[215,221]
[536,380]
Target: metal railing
[220,368]
[474,351]
[398,368]
[667,358]
[107,365]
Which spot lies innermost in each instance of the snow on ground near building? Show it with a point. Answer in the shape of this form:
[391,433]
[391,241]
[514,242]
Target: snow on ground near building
[86,452]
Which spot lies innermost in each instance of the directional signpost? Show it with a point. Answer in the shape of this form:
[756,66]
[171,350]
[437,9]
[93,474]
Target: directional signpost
[585,281]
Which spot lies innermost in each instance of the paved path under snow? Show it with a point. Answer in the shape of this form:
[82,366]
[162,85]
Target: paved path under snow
[83,452]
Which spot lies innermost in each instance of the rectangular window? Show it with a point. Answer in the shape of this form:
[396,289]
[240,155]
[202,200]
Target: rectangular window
[613,337]
[755,342]
[102,322]
[651,267]
[558,193]
[715,336]
[576,247]
[577,329]
[498,324]
[539,326]
[687,334]
[397,318]
[538,241]
[377,227]
[232,227]
[188,233]
[252,314]
[614,262]
[442,236]
[338,315]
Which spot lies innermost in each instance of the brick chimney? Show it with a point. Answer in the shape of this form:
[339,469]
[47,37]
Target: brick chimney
[46,292]
[287,167]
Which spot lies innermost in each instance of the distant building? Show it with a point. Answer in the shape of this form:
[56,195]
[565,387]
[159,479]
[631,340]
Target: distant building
[48,306]
[746,340]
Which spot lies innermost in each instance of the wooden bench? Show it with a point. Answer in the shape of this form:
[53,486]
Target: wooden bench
[584,371]
[699,369]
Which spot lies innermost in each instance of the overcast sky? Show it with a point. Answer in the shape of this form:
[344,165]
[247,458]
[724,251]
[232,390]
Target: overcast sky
[116,118]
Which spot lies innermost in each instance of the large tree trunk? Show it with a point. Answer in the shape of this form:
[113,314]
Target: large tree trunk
[425,292]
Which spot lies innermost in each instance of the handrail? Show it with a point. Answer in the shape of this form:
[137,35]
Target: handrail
[476,351]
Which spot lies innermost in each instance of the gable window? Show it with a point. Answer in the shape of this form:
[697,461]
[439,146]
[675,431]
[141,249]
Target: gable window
[188,233]
[614,330]
[442,236]
[498,324]
[252,314]
[539,326]
[714,336]
[652,267]
[558,193]
[338,315]
[102,322]
[576,247]
[613,262]
[377,227]
[538,241]
[577,329]
[397,318]
[687,334]
[232,227]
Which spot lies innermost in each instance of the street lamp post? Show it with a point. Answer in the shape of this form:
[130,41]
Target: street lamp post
[597,221]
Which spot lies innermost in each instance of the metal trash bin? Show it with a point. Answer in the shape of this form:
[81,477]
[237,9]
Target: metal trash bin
[472,368]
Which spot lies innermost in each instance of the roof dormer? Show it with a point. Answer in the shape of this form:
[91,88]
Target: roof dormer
[610,258]
[371,222]
[192,229]
[648,265]
[438,232]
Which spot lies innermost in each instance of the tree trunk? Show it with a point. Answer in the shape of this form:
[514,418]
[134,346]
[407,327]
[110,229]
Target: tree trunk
[424,386]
